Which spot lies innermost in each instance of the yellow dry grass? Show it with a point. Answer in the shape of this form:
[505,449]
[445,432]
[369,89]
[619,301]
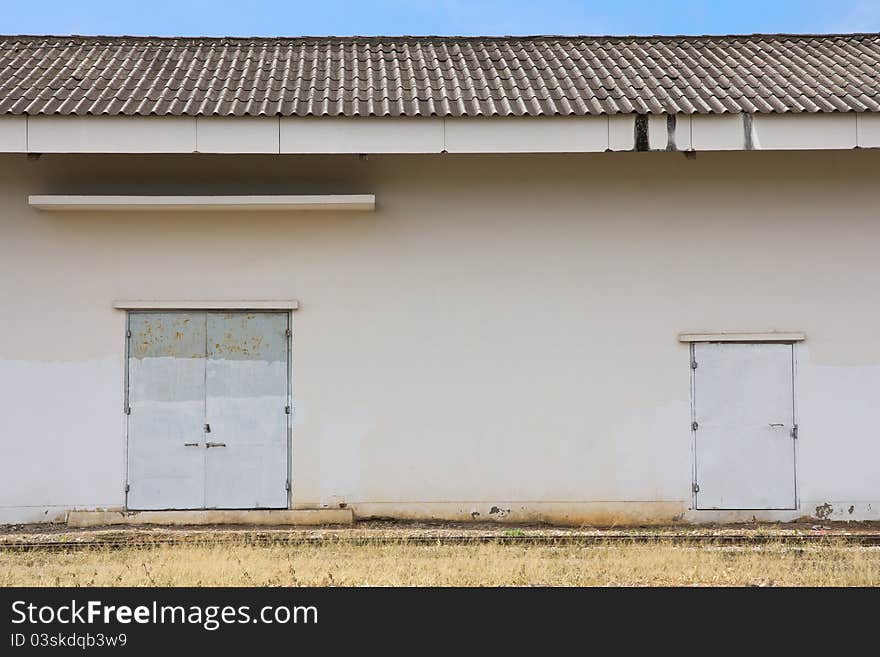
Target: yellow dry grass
[402,564]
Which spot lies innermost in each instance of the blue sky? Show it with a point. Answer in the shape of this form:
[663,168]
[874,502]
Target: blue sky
[338,17]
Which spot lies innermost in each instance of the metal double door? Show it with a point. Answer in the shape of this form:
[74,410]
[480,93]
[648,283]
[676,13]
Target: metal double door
[208,397]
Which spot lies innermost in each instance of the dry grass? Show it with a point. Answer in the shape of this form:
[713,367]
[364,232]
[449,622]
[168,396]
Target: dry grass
[240,564]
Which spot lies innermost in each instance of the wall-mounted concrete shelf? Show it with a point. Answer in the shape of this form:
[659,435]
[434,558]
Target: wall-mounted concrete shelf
[320,202]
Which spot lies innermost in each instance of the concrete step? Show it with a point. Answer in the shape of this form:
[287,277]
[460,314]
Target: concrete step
[212,517]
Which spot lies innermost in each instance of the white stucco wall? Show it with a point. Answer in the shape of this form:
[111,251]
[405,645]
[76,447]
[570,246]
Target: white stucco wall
[501,332]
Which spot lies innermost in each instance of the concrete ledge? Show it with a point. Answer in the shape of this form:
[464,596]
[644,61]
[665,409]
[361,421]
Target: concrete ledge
[155,203]
[211,517]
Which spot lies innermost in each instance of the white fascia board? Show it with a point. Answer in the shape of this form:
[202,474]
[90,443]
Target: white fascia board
[658,133]
[583,134]
[206,304]
[821,131]
[111,134]
[659,137]
[682,132]
[237,134]
[13,134]
[325,135]
[319,202]
[621,132]
[743,336]
[360,135]
[868,129]
[717,132]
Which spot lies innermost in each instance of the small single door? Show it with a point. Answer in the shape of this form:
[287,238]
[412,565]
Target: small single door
[246,410]
[166,410]
[744,426]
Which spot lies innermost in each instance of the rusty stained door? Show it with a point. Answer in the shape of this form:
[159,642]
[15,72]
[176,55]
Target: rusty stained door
[208,396]
[246,410]
[744,426]
[166,410]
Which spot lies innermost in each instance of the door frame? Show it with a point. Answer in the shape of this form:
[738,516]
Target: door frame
[794,418]
[286,308]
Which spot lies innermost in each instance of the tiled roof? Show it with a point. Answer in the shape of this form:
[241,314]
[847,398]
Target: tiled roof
[438,76]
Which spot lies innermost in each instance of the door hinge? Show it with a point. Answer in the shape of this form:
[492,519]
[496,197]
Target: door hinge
[287,485]
[695,487]
[693,364]
[695,425]
[794,432]
[127,409]
[287,410]
[128,333]
[288,333]
[127,488]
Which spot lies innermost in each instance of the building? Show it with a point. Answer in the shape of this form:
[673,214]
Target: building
[563,279]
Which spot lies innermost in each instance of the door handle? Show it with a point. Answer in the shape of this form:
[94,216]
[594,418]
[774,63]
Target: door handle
[209,445]
[190,444]
[777,424]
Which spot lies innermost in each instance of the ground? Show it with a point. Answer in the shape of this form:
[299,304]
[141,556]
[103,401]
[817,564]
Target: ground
[423,554]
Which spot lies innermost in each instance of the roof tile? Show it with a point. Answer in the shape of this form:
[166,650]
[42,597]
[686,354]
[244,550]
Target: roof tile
[438,76]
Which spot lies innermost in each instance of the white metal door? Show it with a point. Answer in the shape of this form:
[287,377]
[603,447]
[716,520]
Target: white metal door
[744,426]
[166,409]
[207,403]
[246,410]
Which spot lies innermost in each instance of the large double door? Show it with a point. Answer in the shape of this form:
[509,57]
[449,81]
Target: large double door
[208,406]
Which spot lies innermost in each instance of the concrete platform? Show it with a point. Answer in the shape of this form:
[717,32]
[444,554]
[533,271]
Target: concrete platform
[211,517]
